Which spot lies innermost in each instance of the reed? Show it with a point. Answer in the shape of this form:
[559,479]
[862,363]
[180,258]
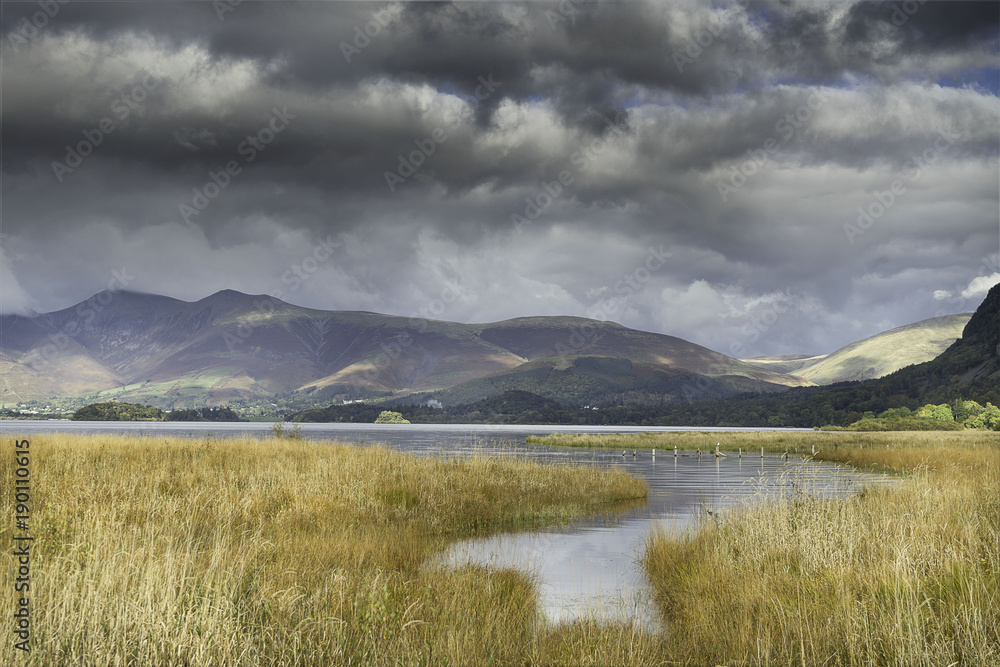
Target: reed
[168,551]
[773,442]
[907,574]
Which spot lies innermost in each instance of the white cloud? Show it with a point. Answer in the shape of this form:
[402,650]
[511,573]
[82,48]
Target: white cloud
[980,285]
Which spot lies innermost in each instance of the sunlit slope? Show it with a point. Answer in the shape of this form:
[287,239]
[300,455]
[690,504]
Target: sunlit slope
[784,363]
[888,351]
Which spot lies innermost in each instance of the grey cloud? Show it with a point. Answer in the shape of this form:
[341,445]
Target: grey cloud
[684,130]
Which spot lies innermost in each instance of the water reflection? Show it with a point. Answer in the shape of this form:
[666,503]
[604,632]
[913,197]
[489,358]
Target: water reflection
[592,570]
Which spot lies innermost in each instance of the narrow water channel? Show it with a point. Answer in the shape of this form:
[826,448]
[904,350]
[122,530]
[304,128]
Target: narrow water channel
[592,569]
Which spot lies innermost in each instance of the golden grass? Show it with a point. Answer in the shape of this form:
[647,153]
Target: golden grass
[165,551]
[907,574]
[731,441]
[171,551]
[773,442]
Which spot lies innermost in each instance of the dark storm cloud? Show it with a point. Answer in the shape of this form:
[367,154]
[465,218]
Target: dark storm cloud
[648,110]
[922,27]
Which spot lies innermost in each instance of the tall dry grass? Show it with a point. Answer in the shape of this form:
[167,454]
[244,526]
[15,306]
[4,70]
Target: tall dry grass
[167,551]
[729,441]
[773,442]
[907,574]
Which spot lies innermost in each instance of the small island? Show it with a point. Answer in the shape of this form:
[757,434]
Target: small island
[388,417]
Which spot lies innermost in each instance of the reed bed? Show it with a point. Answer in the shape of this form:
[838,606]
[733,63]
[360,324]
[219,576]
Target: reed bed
[165,551]
[172,551]
[905,574]
[772,442]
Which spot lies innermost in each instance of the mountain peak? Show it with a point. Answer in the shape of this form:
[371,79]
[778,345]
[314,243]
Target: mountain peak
[231,296]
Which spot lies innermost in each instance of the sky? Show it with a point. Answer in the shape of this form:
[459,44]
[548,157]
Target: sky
[759,177]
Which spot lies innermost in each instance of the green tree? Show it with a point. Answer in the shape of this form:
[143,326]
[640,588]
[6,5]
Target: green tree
[965,409]
[943,413]
[112,411]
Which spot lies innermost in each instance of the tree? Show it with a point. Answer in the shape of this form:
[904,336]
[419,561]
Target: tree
[111,411]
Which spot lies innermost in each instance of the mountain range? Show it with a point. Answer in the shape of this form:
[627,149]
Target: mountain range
[232,347]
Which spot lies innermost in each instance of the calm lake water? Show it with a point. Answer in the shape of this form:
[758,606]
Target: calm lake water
[589,569]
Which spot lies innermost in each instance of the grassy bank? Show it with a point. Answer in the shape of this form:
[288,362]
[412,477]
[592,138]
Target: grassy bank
[901,575]
[169,551]
[773,442]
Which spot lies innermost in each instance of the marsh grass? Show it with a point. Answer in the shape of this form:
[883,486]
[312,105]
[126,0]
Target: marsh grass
[773,442]
[904,574]
[731,441]
[172,551]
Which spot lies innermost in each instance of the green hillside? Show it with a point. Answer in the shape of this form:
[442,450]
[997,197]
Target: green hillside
[593,380]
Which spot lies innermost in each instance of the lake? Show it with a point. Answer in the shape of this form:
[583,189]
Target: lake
[589,569]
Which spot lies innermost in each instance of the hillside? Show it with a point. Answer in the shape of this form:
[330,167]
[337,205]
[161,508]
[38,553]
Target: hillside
[784,363]
[600,381]
[969,369]
[232,346]
[886,352]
